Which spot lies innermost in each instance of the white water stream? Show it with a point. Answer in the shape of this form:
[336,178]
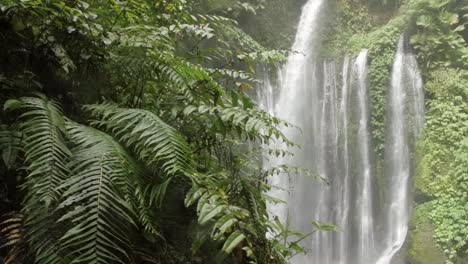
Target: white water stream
[329,100]
[405,121]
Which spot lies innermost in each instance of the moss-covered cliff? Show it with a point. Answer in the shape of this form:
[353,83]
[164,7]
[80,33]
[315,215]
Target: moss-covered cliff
[422,245]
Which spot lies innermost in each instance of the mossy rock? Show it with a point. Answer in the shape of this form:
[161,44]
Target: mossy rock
[422,246]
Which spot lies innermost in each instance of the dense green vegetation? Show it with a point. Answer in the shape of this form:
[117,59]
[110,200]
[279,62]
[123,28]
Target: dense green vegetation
[128,132]
[125,134]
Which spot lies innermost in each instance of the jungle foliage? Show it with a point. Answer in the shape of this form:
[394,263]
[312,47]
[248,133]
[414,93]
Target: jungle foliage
[128,135]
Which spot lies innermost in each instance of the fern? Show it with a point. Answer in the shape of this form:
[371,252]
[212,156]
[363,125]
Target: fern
[47,155]
[95,195]
[46,152]
[13,233]
[154,141]
[250,122]
[159,144]
[144,36]
[179,76]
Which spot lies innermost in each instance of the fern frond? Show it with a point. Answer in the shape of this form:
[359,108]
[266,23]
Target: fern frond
[10,138]
[95,195]
[13,237]
[146,214]
[43,130]
[180,75]
[156,66]
[154,141]
[234,74]
[193,73]
[145,36]
[250,122]
[47,155]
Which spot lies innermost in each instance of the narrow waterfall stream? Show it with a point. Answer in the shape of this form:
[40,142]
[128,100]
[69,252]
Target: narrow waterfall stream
[405,120]
[365,237]
[295,81]
[329,101]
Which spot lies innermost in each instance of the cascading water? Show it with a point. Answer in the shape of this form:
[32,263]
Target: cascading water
[405,120]
[343,191]
[365,221]
[332,108]
[294,89]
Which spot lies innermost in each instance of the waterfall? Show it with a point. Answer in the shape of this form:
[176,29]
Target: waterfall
[405,120]
[365,238]
[290,105]
[343,191]
[329,101]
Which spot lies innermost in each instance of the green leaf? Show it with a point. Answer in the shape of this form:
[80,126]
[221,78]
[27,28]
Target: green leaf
[223,225]
[9,155]
[424,21]
[217,210]
[324,227]
[459,28]
[233,241]
[193,196]
[12,104]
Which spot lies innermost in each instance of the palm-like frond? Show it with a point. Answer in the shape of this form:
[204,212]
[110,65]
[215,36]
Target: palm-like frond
[154,141]
[95,196]
[47,156]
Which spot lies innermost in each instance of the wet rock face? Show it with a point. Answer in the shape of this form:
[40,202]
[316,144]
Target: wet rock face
[422,246]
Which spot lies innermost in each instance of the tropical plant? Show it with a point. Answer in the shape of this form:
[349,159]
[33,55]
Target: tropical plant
[124,135]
